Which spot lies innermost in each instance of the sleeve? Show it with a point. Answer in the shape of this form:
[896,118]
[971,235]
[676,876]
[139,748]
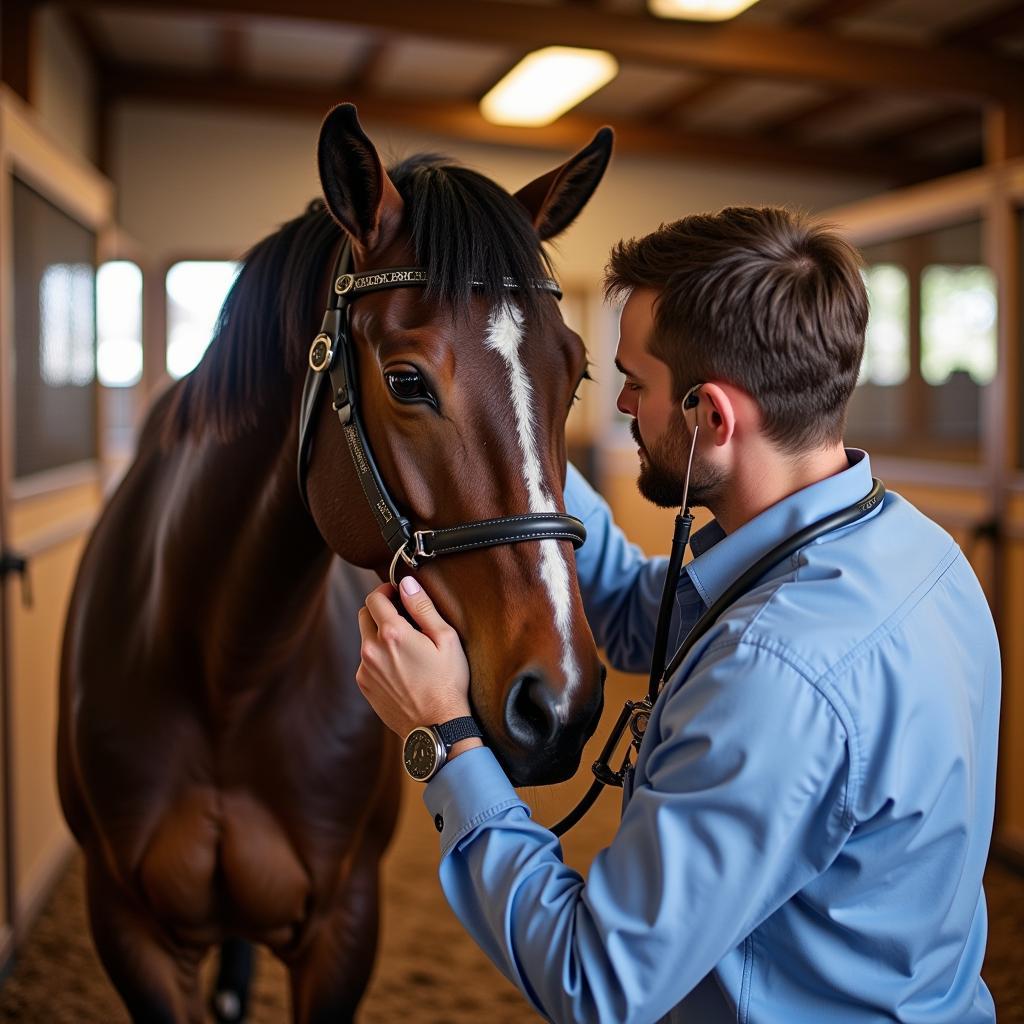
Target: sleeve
[741,803]
[621,586]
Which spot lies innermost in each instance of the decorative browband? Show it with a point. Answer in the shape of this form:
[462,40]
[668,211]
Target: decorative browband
[408,277]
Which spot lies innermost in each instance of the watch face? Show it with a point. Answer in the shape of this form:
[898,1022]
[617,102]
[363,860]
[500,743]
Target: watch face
[421,754]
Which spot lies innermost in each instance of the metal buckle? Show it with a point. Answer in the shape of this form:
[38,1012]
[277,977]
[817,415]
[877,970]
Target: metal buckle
[418,552]
[345,284]
[320,353]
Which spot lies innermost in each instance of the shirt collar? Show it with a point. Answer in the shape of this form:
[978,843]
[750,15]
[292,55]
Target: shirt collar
[721,558]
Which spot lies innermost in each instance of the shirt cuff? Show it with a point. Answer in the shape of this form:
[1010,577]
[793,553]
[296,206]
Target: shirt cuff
[466,792]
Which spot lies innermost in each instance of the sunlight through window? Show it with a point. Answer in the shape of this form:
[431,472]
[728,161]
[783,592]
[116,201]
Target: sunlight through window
[958,323]
[196,290]
[66,325]
[886,343]
[119,324]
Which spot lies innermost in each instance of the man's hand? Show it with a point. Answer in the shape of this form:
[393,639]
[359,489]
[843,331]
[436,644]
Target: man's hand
[411,678]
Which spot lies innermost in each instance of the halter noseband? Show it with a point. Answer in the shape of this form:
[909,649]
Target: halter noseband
[332,356]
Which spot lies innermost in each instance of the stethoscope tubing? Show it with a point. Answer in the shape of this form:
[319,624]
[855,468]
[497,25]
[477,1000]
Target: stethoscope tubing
[737,589]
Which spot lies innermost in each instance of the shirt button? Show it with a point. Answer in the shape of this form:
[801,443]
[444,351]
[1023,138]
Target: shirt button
[438,822]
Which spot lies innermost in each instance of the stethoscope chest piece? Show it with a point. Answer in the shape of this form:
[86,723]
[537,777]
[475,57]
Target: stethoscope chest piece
[638,722]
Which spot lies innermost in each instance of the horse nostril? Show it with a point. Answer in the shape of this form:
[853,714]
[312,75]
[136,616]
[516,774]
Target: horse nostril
[531,710]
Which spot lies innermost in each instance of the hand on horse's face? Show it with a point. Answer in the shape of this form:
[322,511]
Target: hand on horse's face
[410,677]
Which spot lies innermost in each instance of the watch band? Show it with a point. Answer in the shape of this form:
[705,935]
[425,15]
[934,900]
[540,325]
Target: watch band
[464,728]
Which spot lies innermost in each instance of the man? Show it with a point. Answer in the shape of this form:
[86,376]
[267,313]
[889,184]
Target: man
[804,835]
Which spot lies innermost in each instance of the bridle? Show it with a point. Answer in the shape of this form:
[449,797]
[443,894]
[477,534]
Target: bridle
[332,356]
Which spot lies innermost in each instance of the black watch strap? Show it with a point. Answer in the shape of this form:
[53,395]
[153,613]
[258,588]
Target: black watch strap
[456,729]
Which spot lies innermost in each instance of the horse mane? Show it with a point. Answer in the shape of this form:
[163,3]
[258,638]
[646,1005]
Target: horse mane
[466,230]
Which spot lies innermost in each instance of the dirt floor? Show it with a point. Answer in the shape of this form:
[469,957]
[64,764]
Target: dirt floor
[446,980]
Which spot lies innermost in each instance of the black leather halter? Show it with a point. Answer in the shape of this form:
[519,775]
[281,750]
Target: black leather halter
[331,356]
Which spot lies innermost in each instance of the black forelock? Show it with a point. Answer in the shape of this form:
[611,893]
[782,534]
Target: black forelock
[465,228]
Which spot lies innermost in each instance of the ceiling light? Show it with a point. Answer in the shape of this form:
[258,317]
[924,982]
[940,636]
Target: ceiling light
[547,83]
[699,10]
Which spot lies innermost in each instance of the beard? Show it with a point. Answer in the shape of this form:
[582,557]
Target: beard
[663,468]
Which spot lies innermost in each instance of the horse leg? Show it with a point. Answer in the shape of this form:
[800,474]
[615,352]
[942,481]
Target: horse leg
[331,976]
[230,998]
[157,985]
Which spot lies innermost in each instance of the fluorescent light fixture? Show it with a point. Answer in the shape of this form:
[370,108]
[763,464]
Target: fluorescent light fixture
[699,10]
[547,83]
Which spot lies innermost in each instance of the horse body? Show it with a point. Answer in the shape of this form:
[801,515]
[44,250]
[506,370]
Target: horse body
[219,779]
[216,761]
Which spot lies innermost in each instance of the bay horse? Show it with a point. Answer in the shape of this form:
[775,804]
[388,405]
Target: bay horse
[223,775]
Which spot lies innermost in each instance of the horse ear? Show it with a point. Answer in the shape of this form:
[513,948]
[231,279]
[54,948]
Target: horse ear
[555,199]
[359,193]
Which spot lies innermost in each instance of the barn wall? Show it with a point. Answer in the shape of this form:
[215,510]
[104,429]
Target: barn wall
[63,85]
[216,181]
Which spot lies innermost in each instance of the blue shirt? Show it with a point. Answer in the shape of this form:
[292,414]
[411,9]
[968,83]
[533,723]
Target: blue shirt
[804,836]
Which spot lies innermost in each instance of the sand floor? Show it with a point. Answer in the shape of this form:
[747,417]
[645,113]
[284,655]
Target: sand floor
[443,980]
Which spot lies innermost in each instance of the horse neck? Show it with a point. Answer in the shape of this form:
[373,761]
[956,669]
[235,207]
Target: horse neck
[270,566]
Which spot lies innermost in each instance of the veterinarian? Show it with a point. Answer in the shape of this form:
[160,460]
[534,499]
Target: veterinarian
[806,826]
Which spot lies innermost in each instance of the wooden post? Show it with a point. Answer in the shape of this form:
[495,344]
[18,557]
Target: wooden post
[16,46]
[1004,140]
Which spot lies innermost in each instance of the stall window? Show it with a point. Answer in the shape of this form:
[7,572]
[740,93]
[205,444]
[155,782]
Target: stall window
[930,349]
[54,364]
[119,324]
[958,346]
[876,409]
[119,353]
[196,290]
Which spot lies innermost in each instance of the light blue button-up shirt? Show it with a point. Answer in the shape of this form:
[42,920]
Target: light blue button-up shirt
[805,832]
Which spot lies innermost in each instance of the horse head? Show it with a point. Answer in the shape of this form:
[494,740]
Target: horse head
[464,389]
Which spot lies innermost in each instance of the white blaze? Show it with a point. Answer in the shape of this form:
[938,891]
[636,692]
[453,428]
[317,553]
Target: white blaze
[504,336]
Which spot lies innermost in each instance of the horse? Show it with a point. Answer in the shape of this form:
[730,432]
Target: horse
[226,781]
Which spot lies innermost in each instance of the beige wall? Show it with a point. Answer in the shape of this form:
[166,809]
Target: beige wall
[217,181]
[63,85]
[51,530]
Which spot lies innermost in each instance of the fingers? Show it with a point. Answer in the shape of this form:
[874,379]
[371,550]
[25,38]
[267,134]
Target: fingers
[367,627]
[385,615]
[422,609]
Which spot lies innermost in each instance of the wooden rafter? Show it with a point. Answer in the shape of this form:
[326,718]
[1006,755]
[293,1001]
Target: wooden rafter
[691,95]
[920,127]
[366,65]
[831,11]
[982,29]
[231,38]
[462,120]
[974,32]
[787,124]
[17,23]
[814,17]
[793,53]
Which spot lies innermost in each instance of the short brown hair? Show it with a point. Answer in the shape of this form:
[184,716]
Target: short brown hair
[762,298]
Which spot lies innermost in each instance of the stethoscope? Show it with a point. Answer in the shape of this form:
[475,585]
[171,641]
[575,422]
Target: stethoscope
[636,714]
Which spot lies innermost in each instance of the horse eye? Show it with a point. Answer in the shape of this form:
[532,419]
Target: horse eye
[407,386]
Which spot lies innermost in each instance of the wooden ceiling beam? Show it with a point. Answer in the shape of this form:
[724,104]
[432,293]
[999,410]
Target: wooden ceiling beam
[691,95]
[789,123]
[974,33]
[365,67]
[462,120]
[982,29]
[832,10]
[231,40]
[762,51]
[921,127]
[17,38]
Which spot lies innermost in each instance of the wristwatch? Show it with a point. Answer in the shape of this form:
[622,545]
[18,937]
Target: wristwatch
[427,747]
